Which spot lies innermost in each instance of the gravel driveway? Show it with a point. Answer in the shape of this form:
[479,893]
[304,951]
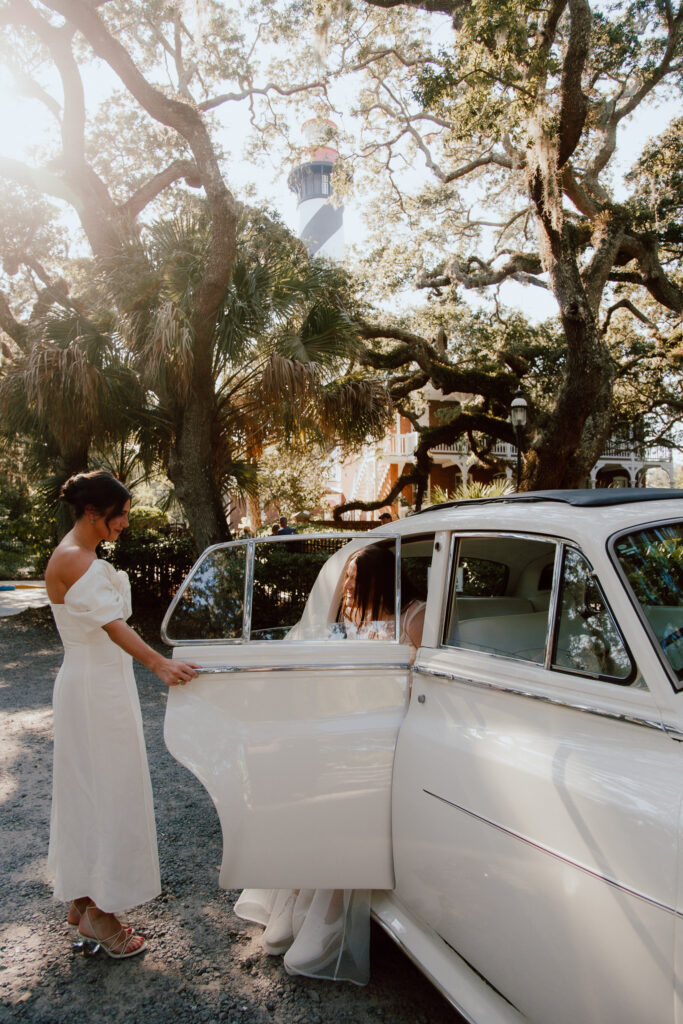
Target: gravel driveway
[203,963]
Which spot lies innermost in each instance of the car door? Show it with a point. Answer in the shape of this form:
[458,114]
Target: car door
[291,726]
[537,796]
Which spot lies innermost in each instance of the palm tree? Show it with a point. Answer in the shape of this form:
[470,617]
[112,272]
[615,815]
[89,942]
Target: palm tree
[282,342]
[67,390]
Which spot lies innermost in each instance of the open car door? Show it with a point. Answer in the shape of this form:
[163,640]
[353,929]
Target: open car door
[291,725]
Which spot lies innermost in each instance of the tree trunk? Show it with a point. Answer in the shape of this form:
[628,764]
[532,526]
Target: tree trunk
[190,464]
[577,429]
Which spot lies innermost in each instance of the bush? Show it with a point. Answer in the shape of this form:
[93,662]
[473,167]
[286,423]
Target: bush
[156,560]
[26,532]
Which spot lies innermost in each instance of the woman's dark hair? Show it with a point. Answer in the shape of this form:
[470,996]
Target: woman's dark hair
[104,492]
[375,582]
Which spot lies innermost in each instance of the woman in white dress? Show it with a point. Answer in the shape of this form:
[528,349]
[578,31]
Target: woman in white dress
[103,849]
[325,933]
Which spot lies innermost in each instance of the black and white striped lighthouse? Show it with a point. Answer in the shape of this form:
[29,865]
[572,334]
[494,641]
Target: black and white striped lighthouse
[321,220]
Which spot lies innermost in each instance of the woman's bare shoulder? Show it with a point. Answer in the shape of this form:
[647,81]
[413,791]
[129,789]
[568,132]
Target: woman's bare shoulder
[68,562]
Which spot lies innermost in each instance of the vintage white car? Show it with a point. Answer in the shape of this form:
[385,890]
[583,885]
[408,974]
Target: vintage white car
[514,798]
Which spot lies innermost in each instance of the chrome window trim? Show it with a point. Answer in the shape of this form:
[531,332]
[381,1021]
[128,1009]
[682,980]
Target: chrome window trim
[558,856]
[249,590]
[561,545]
[671,730]
[615,680]
[450,586]
[559,542]
[676,684]
[552,625]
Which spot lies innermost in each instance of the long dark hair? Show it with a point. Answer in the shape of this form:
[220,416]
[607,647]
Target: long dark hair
[375,582]
[374,589]
[98,489]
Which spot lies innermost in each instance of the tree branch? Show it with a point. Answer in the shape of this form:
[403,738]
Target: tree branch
[186,119]
[518,267]
[17,331]
[625,304]
[573,101]
[179,170]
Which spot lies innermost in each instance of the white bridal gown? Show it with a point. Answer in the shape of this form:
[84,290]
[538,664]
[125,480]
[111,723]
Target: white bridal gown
[323,933]
[102,834]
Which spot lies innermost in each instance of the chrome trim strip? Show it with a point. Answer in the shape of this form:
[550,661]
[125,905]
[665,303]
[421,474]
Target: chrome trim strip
[406,950]
[205,670]
[447,605]
[248,590]
[554,604]
[518,692]
[558,856]
[397,588]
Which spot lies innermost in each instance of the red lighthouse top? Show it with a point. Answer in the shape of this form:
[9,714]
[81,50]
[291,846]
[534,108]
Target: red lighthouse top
[317,133]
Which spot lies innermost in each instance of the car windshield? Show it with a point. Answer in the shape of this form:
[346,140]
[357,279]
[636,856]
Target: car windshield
[652,560]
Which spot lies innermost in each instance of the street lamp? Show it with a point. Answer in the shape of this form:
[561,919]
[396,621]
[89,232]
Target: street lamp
[518,408]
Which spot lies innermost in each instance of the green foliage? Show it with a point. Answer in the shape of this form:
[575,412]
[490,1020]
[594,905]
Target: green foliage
[473,489]
[147,518]
[657,180]
[291,480]
[156,558]
[26,530]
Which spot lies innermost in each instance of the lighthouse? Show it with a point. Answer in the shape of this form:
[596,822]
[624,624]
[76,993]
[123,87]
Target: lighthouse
[321,220]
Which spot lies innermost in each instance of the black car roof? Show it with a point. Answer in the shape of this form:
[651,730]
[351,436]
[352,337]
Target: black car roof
[598,497]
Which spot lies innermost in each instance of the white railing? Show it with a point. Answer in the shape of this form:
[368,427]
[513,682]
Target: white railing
[624,450]
[400,445]
[404,445]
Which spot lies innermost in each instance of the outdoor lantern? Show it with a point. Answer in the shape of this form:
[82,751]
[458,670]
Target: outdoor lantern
[518,408]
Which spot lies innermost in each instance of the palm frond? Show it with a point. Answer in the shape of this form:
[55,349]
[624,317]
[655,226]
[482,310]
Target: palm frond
[353,409]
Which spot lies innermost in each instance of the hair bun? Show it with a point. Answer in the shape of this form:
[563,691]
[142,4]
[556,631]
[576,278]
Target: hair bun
[98,489]
[72,488]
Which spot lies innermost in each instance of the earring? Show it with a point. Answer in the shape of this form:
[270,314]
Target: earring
[92,522]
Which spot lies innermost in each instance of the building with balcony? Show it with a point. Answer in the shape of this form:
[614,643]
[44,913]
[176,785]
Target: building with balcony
[373,472]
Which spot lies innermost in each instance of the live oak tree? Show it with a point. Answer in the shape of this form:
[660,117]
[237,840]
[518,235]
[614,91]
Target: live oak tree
[516,111]
[192,329]
[513,109]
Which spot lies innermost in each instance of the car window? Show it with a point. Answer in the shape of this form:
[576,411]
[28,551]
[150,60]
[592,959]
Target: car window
[499,596]
[652,561]
[256,589]
[290,588]
[284,574]
[211,604]
[586,637]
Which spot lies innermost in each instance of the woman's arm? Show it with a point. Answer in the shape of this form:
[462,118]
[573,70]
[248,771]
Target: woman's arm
[173,673]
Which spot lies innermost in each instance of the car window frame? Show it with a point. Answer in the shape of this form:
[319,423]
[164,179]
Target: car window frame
[248,592]
[626,681]
[553,623]
[676,684]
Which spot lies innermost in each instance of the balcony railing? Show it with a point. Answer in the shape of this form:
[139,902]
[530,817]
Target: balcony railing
[399,446]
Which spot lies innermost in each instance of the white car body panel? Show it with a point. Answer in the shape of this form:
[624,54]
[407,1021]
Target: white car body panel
[527,804]
[533,816]
[290,754]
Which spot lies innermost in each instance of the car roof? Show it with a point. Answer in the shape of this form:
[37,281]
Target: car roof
[598,497]
[588,517]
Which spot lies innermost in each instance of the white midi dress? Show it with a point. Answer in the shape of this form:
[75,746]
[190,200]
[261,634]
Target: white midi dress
[102,832]
[321,933]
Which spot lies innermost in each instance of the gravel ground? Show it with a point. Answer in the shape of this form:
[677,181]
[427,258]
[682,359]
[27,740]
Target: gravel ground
[203,964]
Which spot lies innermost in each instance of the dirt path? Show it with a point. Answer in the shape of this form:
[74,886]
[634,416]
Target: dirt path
[203,964]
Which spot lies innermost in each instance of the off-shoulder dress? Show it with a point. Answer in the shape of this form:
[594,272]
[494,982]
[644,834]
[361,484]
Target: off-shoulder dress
[103,840]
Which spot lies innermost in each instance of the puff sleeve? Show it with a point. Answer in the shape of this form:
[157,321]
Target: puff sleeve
[100,596]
